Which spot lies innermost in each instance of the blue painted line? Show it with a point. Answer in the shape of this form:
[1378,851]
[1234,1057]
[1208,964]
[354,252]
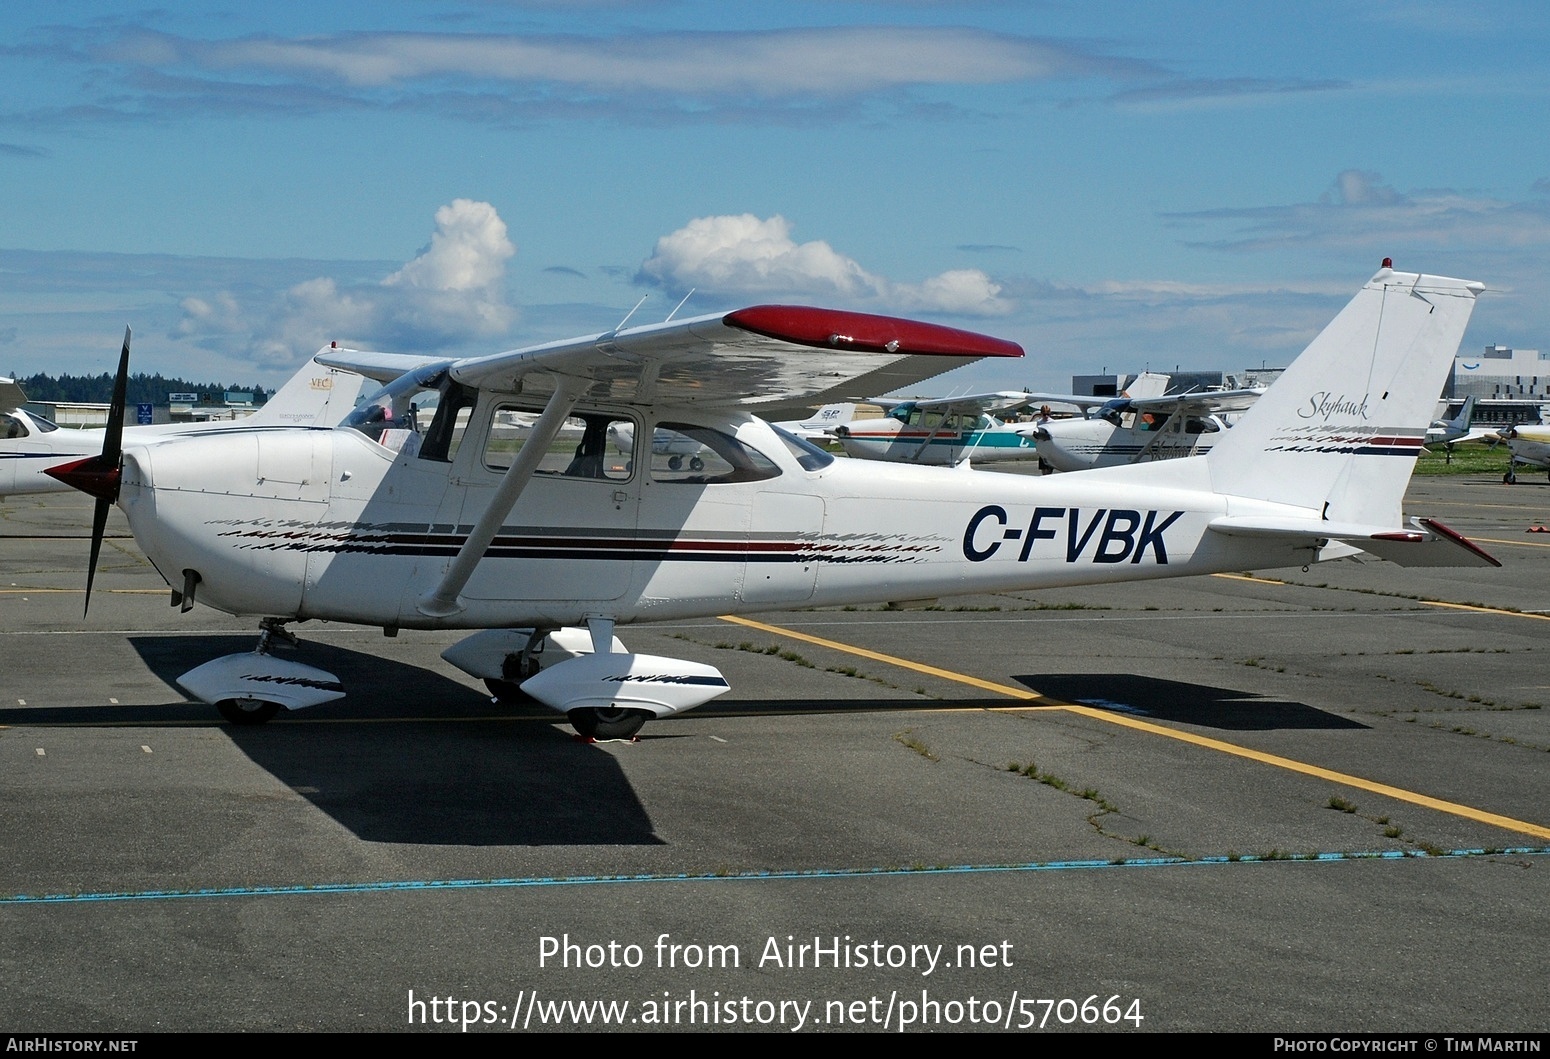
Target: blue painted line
[752,876]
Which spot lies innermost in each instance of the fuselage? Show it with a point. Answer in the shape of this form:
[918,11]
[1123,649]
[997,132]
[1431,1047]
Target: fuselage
[339,525]
[1530,444]
[30,443]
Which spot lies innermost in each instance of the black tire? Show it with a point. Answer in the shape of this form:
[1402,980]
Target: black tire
[505,691]
[675,463]
[613,723]
[696,464]
[247,711]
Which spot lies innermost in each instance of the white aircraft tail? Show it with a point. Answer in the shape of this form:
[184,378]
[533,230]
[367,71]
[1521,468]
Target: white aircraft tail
[830,415]
[316,396]
[1148,384]
[1339,431]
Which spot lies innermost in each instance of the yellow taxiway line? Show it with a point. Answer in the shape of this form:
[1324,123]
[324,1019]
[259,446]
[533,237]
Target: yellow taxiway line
[1345,779]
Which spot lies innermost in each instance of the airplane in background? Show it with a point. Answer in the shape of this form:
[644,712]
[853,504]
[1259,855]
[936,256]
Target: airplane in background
[1135,428]
[1529,445]
[1457,430]
[316,396]
[538,551]
[939,431]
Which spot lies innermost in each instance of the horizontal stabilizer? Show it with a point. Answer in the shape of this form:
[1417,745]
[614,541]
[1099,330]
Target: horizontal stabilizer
[1425,542]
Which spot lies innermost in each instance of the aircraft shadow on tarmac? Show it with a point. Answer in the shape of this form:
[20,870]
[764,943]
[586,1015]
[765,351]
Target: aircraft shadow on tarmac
[1173,700]
[409,756]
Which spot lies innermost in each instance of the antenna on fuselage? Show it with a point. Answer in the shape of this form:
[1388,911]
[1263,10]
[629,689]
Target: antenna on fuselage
[680,305]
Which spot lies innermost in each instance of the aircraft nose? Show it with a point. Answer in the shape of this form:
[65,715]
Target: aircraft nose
[1040,434]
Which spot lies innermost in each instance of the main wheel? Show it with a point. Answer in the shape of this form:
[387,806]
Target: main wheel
[247,711]
[612,723]
[513,672]
[505,691]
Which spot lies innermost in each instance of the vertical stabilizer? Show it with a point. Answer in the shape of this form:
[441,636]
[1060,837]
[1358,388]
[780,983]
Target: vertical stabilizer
[1340,430]
[316,396]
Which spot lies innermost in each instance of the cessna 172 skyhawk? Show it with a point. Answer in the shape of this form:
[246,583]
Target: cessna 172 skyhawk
[432,526]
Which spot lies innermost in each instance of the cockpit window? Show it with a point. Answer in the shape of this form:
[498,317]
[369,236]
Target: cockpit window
[12,427]
[589,445]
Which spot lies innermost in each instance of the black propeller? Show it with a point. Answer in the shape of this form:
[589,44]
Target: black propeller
[99,475]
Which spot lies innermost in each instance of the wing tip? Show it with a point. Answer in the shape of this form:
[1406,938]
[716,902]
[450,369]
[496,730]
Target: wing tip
[866,332]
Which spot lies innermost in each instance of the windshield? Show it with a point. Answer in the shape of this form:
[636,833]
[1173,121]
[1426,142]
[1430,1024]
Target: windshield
[808,455]
[396,415]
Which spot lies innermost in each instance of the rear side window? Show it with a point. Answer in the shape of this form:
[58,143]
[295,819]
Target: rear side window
[696,455]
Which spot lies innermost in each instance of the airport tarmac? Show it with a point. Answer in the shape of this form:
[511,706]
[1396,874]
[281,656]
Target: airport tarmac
[1291,801]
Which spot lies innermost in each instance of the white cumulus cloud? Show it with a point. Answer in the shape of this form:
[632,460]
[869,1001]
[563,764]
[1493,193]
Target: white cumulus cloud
[452,291]
[745,256]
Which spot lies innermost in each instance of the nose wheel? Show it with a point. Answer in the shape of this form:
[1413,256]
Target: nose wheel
[247,711]
[592,722]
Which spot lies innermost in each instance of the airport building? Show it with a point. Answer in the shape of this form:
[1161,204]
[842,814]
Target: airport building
[1509,385]
[1178,381]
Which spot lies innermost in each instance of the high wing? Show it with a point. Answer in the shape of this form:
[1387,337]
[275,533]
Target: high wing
[381,367]
[762,358]
[1202,402]
[966,404]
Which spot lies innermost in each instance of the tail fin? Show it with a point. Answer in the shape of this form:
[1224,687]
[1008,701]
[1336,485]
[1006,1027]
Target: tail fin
[1339,431]
[826,418]
[1148,384]
[1460,423]
[316,396]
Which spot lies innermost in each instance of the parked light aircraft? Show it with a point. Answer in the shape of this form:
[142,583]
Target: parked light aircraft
[539,546]
[1136,428]
[1528,444]
[316,396]
[1454,431]
[940,430]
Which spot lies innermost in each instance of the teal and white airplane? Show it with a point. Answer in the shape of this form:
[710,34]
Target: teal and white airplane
[941,430]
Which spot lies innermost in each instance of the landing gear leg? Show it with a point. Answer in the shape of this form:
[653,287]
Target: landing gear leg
[257,711]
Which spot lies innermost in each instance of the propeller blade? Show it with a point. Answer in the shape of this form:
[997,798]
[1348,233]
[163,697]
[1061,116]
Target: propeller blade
[99,475]
[99,523]
[113,437]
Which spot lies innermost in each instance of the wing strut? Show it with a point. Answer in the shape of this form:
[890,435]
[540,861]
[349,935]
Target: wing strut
[443,601]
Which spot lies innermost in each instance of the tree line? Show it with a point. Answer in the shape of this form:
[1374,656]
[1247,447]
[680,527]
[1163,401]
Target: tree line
[142,389]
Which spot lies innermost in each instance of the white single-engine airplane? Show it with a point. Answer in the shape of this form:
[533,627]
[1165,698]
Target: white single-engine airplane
[1528,444]
[1457,430]
[1137,427]
[316,396]
[549,545]
[939,430]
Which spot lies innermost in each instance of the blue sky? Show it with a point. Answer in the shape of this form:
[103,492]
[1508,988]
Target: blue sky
[1114,185]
